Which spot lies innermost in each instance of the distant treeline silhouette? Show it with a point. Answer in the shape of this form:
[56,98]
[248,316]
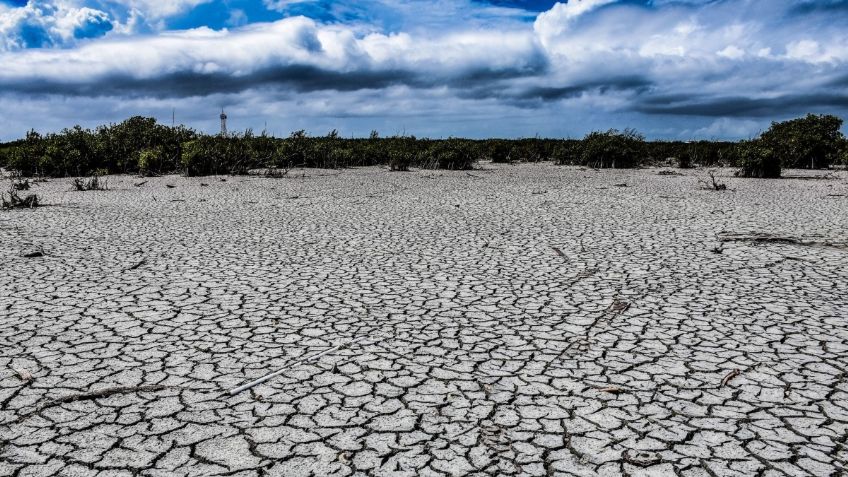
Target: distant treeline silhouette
[140,145]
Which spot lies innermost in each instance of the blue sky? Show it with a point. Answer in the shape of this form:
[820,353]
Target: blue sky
[677,69]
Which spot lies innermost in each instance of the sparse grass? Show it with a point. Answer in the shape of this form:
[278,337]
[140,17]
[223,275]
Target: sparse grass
[92,183]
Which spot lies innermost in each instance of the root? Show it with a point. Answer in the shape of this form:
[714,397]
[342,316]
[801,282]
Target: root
[103,393]
[765,238]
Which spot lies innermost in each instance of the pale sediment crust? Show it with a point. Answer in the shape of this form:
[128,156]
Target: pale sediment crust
[521,320]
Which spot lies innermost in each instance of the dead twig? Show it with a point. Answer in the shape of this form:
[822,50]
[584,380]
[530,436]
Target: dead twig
[100,394]
[611,390]
[713,184]
[314,357]
[137,265]
[729,377]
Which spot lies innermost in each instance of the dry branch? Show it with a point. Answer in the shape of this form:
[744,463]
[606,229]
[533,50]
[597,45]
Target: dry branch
[729,377]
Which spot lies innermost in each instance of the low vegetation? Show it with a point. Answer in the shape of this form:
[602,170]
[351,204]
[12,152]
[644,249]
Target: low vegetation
[713,183]
[92,183]
[13,200]
[142,146]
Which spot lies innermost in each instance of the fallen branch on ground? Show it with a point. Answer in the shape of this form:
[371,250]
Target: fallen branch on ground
[314,357]
[140,263]
[729,377]
[103,393]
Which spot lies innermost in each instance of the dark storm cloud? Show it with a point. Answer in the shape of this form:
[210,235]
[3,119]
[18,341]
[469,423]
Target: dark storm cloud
[740,105]
[815,6]
[295,78]
[638,84]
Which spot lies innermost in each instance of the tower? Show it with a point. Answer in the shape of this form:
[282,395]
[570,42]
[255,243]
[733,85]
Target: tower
[223,122]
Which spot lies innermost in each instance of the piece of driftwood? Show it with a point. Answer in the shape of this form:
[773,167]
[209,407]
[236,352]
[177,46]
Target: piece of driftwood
[729,377]
[246,386]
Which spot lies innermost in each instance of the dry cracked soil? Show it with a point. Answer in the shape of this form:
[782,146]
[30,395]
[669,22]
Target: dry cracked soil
[511,320]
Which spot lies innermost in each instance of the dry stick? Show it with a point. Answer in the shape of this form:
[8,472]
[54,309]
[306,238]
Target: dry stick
[100,394]
[729,377]
[142,262]
[245,387]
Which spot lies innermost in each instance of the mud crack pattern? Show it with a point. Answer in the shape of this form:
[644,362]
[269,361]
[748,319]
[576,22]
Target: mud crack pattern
[521,320]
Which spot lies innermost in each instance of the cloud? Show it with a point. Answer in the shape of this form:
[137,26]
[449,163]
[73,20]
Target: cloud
[295,53]
[688,63]
[42,23]
[157,9]
[731,128]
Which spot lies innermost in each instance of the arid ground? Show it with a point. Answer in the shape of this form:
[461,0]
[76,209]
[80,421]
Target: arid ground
[517,320]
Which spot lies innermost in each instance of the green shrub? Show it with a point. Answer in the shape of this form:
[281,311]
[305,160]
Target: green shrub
[451,153]
[811,142]
[756,159]
[499,151]
[567,153]
[296,151]
[150,161]
[399,160]
[612,149]
[211,155]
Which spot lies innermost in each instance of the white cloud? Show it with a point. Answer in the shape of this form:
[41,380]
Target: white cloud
[707,60]
[731,128]
[158,9]
[43,23]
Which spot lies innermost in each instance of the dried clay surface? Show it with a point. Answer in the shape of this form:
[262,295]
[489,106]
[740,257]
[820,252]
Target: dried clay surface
[518,320]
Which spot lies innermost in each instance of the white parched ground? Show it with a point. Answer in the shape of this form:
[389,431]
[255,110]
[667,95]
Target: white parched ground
[520,320]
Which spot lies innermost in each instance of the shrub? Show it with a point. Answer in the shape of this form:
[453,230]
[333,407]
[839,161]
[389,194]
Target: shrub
[399,160]
[684,160]
[811,142]
[448,154]
[499,151]
[567,153]
[756,159]
[529,150]
[712,184]
[296,151]
[612,149]
[150,161]
[211,155]
[15,201]
[92,183]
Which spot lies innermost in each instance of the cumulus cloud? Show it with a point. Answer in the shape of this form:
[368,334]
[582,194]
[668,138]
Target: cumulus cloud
[296,53]
[42,23]
[157,9]
[696,61]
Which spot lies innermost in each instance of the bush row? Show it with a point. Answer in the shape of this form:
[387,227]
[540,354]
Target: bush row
[142,146]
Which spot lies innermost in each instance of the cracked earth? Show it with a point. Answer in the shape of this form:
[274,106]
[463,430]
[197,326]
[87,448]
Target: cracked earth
[516,320]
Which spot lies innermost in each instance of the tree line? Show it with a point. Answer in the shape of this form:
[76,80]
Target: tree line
[142,146]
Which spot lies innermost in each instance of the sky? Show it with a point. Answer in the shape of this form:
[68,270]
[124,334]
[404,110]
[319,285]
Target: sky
[672,69]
